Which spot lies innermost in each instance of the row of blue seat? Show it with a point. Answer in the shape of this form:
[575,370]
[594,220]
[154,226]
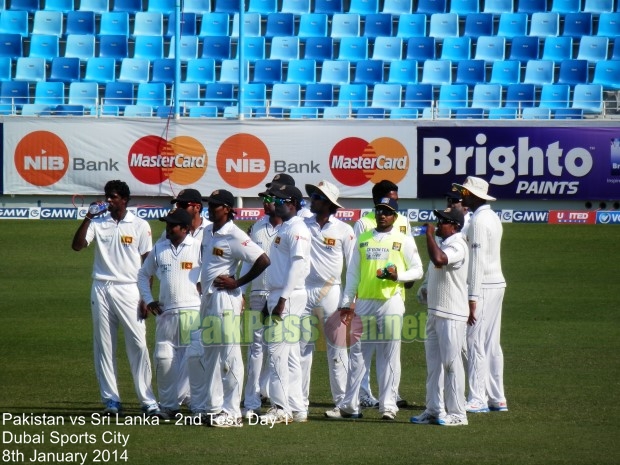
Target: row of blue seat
[325,6]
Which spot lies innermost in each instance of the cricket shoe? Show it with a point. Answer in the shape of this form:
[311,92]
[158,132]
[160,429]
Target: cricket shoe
[452,420]
[400,402]
[300,417]
[225,420]
[369,402]
[249,413]
[337,414]
[169,413]
[276,415]
[424,418]
[388,415]
[475,407]
[152,410]
[112,407]
[498,407]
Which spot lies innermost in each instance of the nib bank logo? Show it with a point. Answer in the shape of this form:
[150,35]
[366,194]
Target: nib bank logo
[243,161]
[41,158]
[354,161]
[153,160]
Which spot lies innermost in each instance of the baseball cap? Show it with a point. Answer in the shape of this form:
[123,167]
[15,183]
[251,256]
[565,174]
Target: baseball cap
[177,216]
[221,197]
[451,214]
[281,178]
[327,189]
[454,195]
[286,192]
[477,186]
[388,203]
[188,195]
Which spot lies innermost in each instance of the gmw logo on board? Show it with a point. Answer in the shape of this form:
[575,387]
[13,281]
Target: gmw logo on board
[354,161]
[153,160]
[41,158]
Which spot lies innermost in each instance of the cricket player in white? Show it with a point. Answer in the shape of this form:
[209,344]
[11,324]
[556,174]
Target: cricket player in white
[332,243]
[383,260]
[485,359]
[123,241]
[290,264]
[447,321]
[176,263]
[224,247]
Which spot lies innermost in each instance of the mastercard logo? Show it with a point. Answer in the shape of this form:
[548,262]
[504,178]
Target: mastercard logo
[41,158]
[354,161]
[243,161]
[153,160]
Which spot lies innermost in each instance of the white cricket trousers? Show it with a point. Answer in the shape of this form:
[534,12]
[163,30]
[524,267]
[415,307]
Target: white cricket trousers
[323,303]
[485,359]
[221,336]
[112,305]
[257,378]
[377,327]
[282,340]
[445,381]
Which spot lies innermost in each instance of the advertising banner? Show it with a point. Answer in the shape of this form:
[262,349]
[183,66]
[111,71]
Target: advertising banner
[160,157]
[572,217]
[525,163]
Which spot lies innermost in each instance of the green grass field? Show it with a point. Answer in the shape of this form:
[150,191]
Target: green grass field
[560,339]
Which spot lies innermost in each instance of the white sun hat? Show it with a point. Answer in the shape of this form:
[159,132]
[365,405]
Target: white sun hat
[327,189]
[477,186]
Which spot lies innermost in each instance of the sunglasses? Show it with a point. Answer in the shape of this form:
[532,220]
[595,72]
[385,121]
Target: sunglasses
[444,221]
[453,201]
[186,204]
[384,212]
[268,199]
[316,196]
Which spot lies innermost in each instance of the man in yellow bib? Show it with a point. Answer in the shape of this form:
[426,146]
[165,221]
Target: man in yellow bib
[382,261]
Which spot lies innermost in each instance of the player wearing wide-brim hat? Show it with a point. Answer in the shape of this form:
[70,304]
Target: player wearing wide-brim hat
[475,186]
[325,189]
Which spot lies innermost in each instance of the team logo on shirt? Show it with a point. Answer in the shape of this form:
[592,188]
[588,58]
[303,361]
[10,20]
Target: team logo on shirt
[187,265]
[126,240]
[218,252]
[396,246]
[277,241]
[403,229]
[329,242]
[363,244]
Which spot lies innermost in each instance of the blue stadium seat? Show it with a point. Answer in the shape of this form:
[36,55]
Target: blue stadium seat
[505,72]
[203,112]
[478,24]
[345,25]
[100,69]
[36,109]
[80,46]
[148,23]
[114,23]
[364,7]
[113,46]
[378,24]
[188,48]
[418,96]
[304,113]
[554,96]
[607,74]
[487,96]
[151,93]
[453,96]
[437,72]
[456,49]
[388,48]
[568,113]
[280,24]
[573,72]
[539,72]
[25,5]
[609,25]
[216,47]
[566,6]
[512,25]
[335,72]
[138,111]
[312,25]
[397,7]
[15,93]
[263,6]
[386,96]
[592,49]
[65,70]
[420,48]
[337,113]
[134,70]
[430,7]
[285,48]
[405,113]
[545,24]
[251,25]
[11,45]
[96,6]
[44,46]
[118,94]
[253,48]
[536,113]
[319,48]
[162,6]
[148,47]
[411,25]
[372,113]
[64,6]
[201,70]
[558,49]
[199,7]
[84,94]
[353,49]
[319,95]
[226,6]
[167,111]
[520,95]
[598,7]
[403,72]
[129,6]
[490,48]
[464,7]
[524,48]
[229,72]
[163,70]
[30,69]
[215,24]
[297,7]
[284,95]
[368,72]
[6,69]
[532,6]
[499,6]
[48,22]
[219,94]
[14,22]
[470,72]
[502,113]
[302,71]
[353,96]
[444,25]
[188,25]
[80,22]
[49,93]
[189,93]
[468,113]
[254,95]
[329,7]
[577,24]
